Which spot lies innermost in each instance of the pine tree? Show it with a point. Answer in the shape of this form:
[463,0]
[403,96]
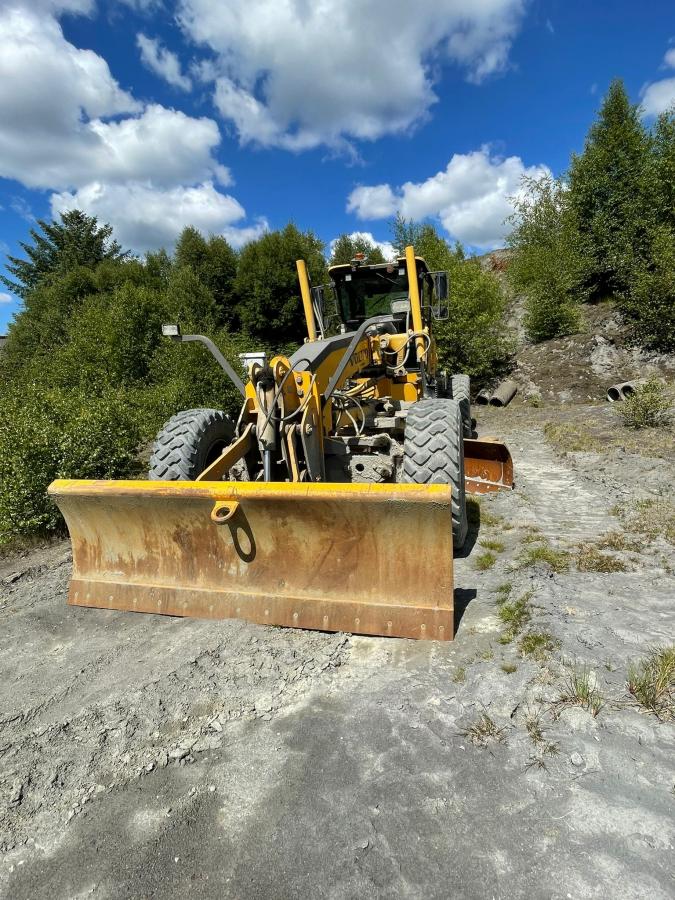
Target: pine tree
[649,302]
[607,192]
[77,240]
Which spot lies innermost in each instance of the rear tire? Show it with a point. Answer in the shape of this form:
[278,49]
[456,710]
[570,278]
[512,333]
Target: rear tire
[433,453]
[460,390]
[188,443]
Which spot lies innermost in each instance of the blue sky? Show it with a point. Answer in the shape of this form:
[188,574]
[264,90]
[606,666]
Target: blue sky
[238,115]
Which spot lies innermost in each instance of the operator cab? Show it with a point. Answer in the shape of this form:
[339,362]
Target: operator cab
[363,291]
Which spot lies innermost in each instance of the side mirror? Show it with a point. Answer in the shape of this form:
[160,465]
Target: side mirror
[319,297]
[440,280]
[441,294]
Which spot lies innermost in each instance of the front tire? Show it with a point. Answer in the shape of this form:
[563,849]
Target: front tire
[460,390]
[188,443]
[433,453]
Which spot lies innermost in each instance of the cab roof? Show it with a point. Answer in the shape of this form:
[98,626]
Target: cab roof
[350,267]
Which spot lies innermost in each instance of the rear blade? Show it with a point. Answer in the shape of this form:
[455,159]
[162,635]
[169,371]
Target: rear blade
[365,558]
[487,466]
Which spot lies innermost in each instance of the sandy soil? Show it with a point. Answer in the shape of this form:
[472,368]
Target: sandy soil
[153,757]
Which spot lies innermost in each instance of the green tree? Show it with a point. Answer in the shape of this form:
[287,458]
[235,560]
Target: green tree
[607,192]
[270,308]
[474,339]
[214,262]
[347,246]
[661,170]
[548,264]
[649,302]
[76,241]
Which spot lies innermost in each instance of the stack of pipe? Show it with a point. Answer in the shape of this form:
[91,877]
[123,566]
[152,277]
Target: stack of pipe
[501,396]
[621,391]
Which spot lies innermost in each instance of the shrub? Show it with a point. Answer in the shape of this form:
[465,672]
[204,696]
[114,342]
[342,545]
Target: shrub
[648,407]
[51,433]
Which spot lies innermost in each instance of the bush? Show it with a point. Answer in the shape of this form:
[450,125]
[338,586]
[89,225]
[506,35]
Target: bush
[47,434]
[648,407]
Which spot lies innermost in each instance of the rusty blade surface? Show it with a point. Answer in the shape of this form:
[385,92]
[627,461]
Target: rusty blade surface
[487,466]
[365,558]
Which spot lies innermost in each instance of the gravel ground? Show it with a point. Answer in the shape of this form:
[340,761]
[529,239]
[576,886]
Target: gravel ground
[145,756]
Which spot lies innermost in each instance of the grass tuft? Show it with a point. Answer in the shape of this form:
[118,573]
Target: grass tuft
[485,561]
[652,682]
[544,747]
[497,546]
[460,675]
[558,560]
[579,690]
[590,559]
[619,540]
[515,615]
[484,731]
[504,592]
[538,644]
[509,668]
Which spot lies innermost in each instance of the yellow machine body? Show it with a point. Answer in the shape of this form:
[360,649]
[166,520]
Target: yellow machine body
[301,541]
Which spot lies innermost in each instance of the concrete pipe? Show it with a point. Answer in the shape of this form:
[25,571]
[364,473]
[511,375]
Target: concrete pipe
[483,397]
[621,391]
[504,394]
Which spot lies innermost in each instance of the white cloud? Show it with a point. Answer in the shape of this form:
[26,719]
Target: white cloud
[298,74]
[64,137]
[659,96]
[147,170]
[6,298]
[76,7]
[22,208]
[162,62]
[470,197]
[146,217]
[387,248]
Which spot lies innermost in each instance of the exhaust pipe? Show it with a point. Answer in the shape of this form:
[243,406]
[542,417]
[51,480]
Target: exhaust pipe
[504,393]
[621,391]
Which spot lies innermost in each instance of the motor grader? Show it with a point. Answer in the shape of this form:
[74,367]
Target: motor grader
[335,499]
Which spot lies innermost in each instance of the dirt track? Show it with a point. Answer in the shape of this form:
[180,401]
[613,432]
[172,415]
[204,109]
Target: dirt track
[151,757]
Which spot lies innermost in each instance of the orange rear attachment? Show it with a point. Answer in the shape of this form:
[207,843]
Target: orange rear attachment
[487,466]
[365,558]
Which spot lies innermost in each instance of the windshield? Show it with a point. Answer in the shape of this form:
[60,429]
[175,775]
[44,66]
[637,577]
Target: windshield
[363,293]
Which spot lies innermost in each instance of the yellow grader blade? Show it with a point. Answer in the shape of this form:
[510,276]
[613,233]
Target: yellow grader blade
[365,558]
[487,466]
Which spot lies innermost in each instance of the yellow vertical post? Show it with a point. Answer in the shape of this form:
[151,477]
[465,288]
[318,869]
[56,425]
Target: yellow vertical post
[415,302]
[306,294]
